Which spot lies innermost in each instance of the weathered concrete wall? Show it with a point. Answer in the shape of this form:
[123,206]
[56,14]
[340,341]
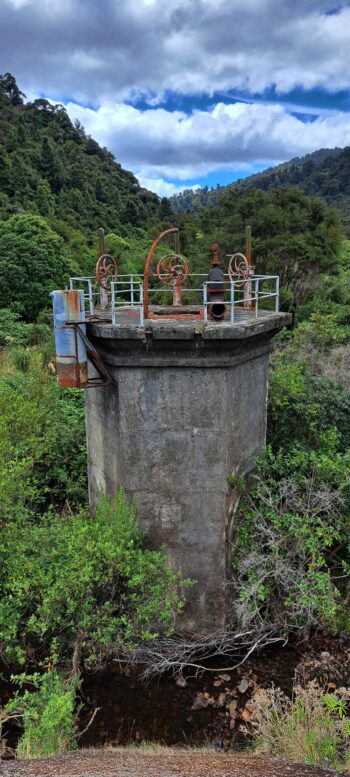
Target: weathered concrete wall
[171,436]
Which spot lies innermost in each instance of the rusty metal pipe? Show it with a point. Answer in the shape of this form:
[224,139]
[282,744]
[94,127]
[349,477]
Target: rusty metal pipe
[217,309]
[148,265]
[248,245]
[101,242]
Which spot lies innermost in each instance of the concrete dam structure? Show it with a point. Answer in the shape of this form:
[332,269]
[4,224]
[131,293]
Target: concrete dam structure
[176,404]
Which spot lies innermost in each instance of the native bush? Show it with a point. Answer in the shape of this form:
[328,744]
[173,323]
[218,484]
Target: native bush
[47,709]
[85,582]
[291,544]
[32,263]
[42,436]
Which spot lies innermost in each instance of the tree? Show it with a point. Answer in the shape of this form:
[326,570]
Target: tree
[50,165]
[45,199]
[131,214]
[165,212]
[9,88]
[32,263]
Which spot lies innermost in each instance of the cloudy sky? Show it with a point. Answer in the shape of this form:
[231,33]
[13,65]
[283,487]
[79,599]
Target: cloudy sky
[187,92]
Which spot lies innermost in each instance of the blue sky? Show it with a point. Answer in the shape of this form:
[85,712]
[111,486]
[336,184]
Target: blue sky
[188,92]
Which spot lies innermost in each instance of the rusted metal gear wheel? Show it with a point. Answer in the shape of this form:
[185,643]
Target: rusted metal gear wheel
[172,269]
[106,270]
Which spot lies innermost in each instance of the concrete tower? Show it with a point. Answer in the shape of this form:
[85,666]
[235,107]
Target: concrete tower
[186,410]
[189,411]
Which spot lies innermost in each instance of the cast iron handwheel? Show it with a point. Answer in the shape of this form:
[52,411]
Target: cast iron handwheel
[171,269]
[238,269]
[106,270]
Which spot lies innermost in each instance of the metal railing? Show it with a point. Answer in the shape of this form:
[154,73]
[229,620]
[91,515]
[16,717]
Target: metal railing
[127,293]
[134,290]
[247,294]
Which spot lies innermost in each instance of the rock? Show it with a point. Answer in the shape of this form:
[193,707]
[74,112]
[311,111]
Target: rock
[243,686]
[221,699]
[181,682]
[246,714]
[217,683]
[232,708]
[200,702]
[224,677]
[232,724]
[325,655]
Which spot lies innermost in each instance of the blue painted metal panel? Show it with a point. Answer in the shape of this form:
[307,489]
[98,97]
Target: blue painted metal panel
[71,357]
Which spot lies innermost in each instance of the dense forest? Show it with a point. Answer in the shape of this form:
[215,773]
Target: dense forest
[324,173]
[77,590]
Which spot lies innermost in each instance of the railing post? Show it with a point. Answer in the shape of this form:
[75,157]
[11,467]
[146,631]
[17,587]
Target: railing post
[141,305]
[277,302]
[232,302]
[113,303]
[91,304]
[132,289]
[205,304]
[257,280]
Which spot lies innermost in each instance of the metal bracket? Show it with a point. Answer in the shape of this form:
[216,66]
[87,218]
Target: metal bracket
[95,358]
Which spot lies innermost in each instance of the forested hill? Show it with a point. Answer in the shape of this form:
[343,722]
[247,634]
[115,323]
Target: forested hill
[51,167]
[325,173]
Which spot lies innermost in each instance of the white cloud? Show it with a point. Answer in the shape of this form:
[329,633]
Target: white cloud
[110,52]
[160,186]
[113,49]
[160,144]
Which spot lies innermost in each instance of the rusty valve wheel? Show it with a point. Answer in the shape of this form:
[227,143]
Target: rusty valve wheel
[106,270]
[239,269]
[172,269]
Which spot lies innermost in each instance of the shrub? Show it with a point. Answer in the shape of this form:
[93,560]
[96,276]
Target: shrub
[43,426]
[291,542]
[83,581]
[312,728]
[32,263]
[48,715]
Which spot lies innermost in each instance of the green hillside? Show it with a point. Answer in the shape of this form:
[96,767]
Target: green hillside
[51,168]
[325,174]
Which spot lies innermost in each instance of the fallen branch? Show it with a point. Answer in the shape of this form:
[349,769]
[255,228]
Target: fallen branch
[177,655]
[90,722]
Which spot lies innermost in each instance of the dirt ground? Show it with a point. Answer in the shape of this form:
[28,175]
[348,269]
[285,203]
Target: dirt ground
[140,763]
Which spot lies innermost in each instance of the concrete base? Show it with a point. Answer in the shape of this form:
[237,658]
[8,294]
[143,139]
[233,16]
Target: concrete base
[189,411]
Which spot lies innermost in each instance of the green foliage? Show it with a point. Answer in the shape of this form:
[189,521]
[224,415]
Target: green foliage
[293,236]
[309,390]
[42,436]
[82,581]
[48,714]
[324,174]
[291,519]
[292,550]
[32,263]
[13,331]
[48,165]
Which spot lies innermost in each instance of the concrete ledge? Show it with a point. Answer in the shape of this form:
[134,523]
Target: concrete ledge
[187,330]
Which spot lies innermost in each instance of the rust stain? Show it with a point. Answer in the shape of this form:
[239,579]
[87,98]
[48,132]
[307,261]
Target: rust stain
[71,374]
